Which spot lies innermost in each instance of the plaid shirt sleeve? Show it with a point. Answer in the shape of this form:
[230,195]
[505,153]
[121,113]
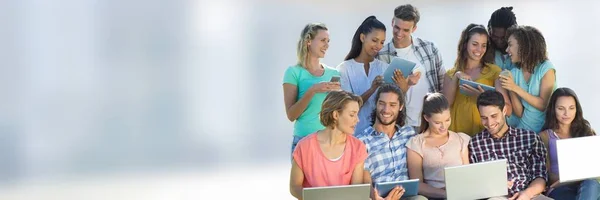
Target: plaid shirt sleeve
[439,66]
[434,69]
[472,158]
[538,159]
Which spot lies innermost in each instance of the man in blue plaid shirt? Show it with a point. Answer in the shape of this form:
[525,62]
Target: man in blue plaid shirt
[429,76]
[524,150]
[386,139]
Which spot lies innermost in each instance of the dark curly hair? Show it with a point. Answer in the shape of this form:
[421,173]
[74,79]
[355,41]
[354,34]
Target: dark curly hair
[532,46]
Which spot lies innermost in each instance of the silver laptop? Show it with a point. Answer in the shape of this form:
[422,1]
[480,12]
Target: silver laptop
[576,160]
[477,181]
[345,192]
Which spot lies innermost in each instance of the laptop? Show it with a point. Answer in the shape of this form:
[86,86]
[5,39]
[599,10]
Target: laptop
[574,164]
[477,180]
[344,192]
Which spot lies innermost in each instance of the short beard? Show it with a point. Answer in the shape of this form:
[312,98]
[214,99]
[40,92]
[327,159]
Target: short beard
[500,126]
[386,124]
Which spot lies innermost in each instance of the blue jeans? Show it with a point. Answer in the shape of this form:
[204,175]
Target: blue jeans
[295,141]
[585,190]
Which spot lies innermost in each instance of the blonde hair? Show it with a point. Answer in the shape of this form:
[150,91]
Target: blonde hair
[336,100]
[308,33]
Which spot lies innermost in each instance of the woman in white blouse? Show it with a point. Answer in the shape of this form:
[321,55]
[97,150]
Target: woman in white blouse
[361,73]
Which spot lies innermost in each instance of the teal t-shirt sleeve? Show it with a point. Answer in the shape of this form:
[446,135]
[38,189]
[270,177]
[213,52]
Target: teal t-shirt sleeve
[291,76]
[331,72]
[544,67]
[334,72]
[516,72]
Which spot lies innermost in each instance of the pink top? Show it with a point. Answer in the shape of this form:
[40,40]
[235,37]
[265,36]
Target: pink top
[319,171]
[435,159]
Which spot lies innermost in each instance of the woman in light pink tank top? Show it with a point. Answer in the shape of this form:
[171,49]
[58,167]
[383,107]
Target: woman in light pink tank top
[564,119]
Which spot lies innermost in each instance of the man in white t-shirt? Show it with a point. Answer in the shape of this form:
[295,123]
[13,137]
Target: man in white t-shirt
[422,52]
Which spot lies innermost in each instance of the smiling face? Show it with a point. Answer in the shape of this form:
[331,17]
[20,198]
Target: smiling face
[319,45]
[402,30]
[493,119]
[373,42]
[513,49]
[476,46]
[388,107]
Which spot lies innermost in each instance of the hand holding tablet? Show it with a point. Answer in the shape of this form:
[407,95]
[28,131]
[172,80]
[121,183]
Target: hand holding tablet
[405,66]
[411,187]
[469,88]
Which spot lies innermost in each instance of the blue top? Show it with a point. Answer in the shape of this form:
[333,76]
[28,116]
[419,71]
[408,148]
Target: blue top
[387,156]
[532,118]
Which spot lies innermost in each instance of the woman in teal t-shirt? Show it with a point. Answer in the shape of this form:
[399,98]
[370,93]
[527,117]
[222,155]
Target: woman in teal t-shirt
[533,79]
[306,84]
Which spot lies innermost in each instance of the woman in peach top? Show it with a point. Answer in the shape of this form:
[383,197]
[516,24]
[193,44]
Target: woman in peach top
[435,147]
[331,156]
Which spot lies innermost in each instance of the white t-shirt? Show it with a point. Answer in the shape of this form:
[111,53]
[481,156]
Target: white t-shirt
[415,94]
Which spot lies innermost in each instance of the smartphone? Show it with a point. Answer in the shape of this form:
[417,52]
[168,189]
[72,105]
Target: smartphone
[335,79]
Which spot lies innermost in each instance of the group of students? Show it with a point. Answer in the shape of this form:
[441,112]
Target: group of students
[363,130]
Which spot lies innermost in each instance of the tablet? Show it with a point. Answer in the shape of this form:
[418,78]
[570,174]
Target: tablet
[474,85]
[405,66]
[411,187]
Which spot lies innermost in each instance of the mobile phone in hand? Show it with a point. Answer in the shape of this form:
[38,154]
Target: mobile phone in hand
[335,79]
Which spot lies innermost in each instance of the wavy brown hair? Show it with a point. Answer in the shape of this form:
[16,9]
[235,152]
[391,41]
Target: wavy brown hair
[407,12]
[532,46]
[463,55]
[335,101]
[580,127]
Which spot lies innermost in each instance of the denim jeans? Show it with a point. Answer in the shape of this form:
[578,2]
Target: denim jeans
[295,141]
[585,190]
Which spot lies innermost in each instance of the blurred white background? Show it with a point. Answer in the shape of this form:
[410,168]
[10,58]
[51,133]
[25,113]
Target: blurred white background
[182,99]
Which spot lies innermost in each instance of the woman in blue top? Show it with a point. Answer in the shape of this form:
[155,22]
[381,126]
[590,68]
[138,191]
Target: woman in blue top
[306,84]
[533,79]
